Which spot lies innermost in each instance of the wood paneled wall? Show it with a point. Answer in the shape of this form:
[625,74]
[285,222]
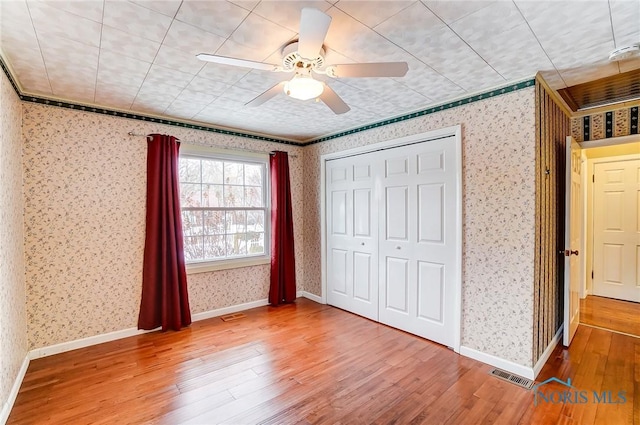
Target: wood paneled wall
[552,128]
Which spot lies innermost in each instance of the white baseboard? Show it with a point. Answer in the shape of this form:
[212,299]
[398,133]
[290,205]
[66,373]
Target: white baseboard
[84,342]
[125,333]
[228,310]
[112,336]
[498,362]
[547,352]
[8,404]
[312,297]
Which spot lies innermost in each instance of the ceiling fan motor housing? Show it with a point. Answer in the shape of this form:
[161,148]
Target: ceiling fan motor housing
[291,58]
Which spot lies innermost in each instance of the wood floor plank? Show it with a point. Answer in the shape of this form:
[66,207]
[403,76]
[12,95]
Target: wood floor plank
[609,313]
[590,374]
[313,364]
[619,362]
[636,386]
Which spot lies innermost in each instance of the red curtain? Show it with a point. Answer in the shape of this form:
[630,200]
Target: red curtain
[164,280]
[283,274]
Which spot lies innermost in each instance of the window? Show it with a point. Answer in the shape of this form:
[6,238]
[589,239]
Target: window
[224,208]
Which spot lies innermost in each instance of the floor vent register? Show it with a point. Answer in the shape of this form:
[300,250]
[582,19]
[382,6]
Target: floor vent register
[514,379]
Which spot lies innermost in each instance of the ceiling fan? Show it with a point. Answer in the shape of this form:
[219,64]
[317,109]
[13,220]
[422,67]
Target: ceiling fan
[305,57]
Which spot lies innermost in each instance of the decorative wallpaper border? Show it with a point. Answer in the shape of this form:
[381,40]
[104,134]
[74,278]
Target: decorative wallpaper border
[603,125]
[98,110]
[140,117]
[431,110]
[10,77]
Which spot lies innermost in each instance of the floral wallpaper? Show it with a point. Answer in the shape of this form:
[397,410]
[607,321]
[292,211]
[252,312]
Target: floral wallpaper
[84,220]
[498,138]
[13,319]
[84,194]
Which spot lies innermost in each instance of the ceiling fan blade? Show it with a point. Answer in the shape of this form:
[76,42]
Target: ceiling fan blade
[314,25]
[236,62]
[333,101]
[259,100]
[375,69]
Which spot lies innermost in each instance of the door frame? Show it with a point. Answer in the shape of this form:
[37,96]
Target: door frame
[586,287]
[454,131]
[589,235]
[587,192]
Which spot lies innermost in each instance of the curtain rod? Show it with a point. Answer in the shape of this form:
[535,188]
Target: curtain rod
[131,133]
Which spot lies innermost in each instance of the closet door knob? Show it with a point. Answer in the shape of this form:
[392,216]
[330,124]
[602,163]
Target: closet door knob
[398,247]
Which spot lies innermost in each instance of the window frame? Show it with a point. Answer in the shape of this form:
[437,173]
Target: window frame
[211,153]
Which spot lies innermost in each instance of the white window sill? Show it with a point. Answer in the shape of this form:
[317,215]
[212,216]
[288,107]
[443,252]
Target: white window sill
[212,266]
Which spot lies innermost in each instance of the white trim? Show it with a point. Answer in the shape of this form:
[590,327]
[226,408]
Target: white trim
[589,211]
[509,366]
[617,158]
[547,352]
[323,230]
[453,131]
[228,310]
[585,261]
[210,266]
[394,143]
[592,162]
[125,333]
[205,151]
[611,141]
[63,347]
[312,297]
[8,404]
[112,336]
[457,319]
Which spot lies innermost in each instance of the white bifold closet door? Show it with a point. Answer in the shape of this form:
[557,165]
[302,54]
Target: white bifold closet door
[353,241]
[395,209]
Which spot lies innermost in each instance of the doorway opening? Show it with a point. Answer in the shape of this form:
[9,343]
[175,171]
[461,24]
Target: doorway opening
[610,291]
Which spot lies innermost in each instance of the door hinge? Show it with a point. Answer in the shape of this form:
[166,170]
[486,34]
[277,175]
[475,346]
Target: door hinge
[591,274]
[593,178]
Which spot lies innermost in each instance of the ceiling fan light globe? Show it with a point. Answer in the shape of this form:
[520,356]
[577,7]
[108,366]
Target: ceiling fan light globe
[303,88]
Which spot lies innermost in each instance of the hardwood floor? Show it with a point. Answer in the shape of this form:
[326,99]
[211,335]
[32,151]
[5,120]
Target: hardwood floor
[310,363]
[608,313]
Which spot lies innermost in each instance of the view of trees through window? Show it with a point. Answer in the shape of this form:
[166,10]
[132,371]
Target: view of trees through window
[223,208]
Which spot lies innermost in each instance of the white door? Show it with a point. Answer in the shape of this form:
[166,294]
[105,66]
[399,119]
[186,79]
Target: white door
[352,241]
[616,230]
[418,239]
[573,272]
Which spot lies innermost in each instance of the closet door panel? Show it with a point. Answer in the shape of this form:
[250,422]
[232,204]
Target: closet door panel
[351,196]
[421,234]
[392,245]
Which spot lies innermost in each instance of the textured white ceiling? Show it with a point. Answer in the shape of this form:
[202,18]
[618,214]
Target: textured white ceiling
[139,56]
